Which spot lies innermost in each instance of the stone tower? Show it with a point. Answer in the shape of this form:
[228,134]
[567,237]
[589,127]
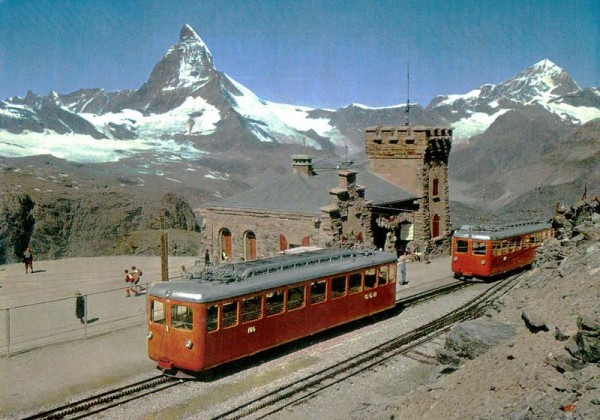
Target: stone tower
[416,159]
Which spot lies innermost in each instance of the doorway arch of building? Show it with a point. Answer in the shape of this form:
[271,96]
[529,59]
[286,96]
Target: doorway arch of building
[249,245]
[225,244]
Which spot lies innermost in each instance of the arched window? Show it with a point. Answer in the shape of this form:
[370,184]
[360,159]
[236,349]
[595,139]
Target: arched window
[306,241]
[435,226]
[249,246]
[225,244]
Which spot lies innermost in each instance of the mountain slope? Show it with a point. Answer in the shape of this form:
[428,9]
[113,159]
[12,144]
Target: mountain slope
[544,84]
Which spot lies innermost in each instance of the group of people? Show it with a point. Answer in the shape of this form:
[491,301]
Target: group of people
[132,279]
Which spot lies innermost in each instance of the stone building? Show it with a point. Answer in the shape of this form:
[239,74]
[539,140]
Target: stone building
[398,196]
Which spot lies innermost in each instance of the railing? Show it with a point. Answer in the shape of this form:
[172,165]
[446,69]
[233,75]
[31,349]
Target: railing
[28,321]
[30,326]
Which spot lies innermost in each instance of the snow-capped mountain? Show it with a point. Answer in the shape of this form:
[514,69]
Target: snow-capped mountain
[189,108]
[542,85]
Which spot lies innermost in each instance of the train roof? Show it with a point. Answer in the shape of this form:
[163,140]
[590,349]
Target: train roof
[500,231]
[236,279]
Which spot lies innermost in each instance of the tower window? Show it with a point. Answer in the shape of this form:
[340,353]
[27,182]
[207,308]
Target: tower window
[436,187]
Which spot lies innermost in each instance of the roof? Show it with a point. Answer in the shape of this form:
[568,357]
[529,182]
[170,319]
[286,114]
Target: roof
[232,280]
[307,194]
[500,231]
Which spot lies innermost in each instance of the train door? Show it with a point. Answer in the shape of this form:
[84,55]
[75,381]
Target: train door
[480,258]
[173,342]
[460,249]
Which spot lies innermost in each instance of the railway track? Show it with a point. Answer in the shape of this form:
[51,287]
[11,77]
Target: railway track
[104,401]
[304,388]
[288,395]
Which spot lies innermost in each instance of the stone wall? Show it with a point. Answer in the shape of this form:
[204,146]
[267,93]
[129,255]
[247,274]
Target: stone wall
[266,225]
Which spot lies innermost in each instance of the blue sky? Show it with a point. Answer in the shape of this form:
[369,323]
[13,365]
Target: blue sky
[320,53]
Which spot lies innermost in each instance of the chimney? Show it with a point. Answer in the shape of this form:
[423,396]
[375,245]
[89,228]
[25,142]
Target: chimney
[302,164]
[346,178]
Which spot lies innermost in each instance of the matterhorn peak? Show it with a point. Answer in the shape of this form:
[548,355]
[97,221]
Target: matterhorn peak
[188,34]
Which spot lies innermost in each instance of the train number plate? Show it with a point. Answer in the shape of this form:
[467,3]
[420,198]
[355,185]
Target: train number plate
[370,295]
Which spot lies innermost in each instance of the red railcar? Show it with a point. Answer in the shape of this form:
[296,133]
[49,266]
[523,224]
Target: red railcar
[493,250]
[236,310]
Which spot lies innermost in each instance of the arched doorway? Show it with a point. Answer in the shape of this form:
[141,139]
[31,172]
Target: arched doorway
[283,245]
[406,233]
[225,253]
[249,246]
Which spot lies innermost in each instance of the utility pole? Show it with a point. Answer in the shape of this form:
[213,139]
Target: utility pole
[164,250]
[407,94]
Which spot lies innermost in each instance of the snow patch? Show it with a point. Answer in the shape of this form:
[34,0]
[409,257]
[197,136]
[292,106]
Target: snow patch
[85,149]
[477,123]
[194,116]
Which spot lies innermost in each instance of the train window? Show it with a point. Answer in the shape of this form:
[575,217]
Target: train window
[251,308]
[462,246]
[518,243]
[158,312]
[229,312]
[479,248]
[505,247]
[182,317]
[512,245]
[370,278]
[338,287]
[317,291]
[496,248]
[274,302]
[355,283]
[383,275]
[392,277]
[295,298]
[212,318]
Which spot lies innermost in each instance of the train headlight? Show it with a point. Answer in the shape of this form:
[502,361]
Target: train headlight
[455,258]
[482,262]
[149,336]
[189,344]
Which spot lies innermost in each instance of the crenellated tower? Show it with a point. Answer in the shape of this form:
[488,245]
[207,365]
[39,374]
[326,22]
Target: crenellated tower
[416,159]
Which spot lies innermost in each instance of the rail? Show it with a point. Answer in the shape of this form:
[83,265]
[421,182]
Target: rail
[103,401]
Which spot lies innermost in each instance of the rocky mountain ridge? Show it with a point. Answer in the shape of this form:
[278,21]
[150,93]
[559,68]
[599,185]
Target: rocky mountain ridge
[186,98]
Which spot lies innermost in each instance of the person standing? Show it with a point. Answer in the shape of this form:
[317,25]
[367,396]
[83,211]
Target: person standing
[206,258]
[28,259]
[402,266]
[135,275]
[128,282]
[80,307]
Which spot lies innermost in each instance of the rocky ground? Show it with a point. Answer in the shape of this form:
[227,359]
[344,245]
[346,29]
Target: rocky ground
[537,354]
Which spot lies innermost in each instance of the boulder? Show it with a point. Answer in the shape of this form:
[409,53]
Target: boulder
[585,345]
[473,338]
[534,321]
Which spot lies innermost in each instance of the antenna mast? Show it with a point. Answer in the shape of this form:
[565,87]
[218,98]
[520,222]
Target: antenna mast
[407,93]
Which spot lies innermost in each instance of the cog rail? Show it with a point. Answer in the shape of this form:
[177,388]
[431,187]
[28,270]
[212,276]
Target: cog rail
[108,399]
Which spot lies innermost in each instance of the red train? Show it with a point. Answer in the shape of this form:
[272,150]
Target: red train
[236,310]
[489,251]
